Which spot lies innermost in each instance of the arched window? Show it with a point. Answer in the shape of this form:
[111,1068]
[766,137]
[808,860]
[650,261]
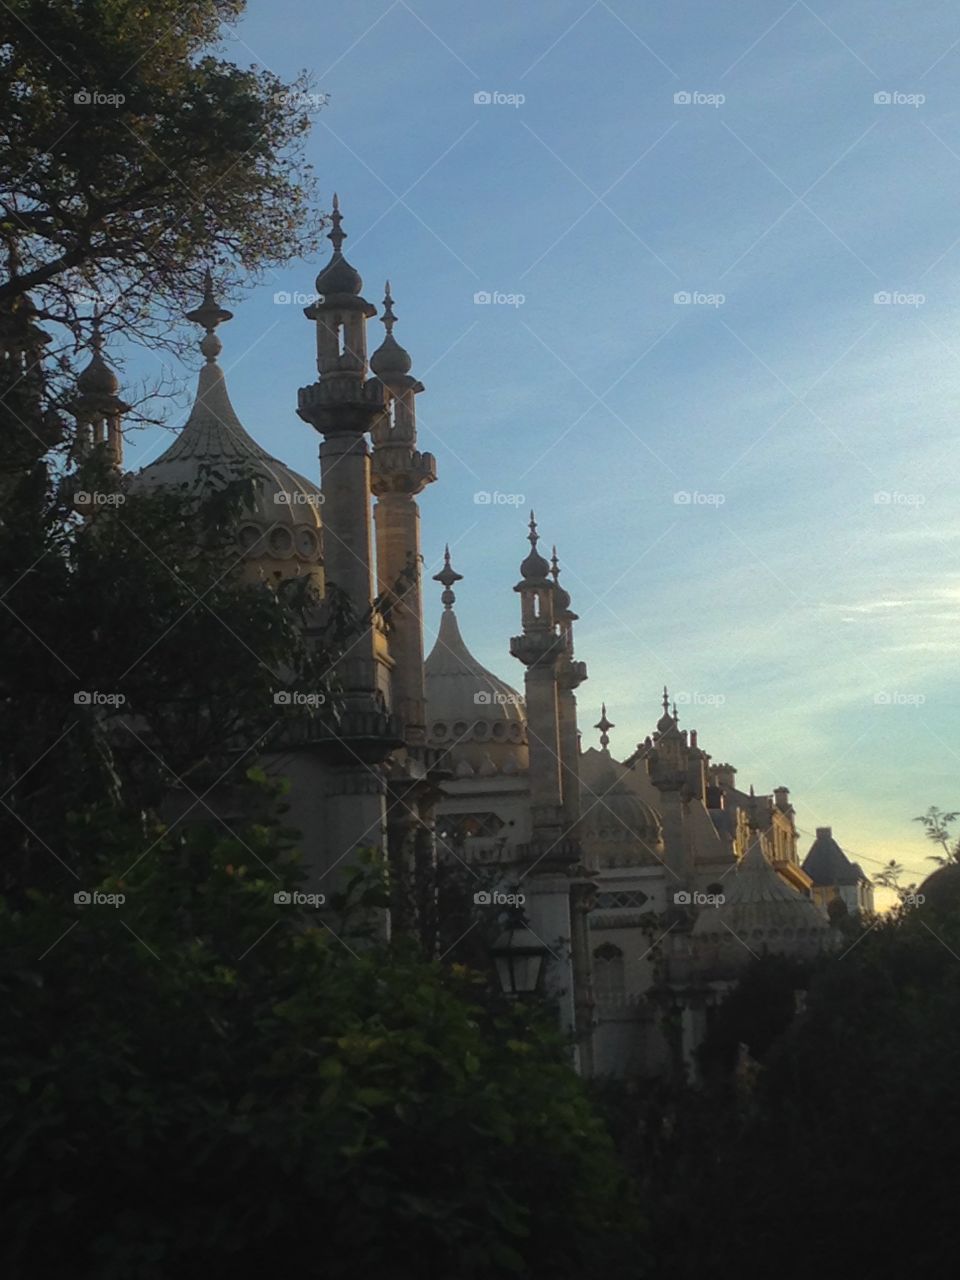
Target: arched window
[608,976]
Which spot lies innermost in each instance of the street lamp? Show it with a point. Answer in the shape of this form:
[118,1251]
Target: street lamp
[519,955]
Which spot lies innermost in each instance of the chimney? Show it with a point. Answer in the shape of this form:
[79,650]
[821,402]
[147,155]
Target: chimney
[824,833]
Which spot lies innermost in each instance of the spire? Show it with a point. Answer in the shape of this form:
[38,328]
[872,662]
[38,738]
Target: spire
[390,360]
[604,725]
[534,568]
[336,236]
[208,315]
[97,379]
[447,577]
[338,276]
[666,721]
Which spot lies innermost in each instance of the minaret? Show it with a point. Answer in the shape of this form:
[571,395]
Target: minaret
[540,649]
[98,409]
[343,405]
[561,892]
[570,675]
[399,473]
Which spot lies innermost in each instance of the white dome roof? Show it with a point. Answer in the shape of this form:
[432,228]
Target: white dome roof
[284,525]
[761,909]
[475,715]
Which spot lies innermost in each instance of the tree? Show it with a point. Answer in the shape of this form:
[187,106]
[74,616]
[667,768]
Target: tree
[197,1082]
[937,826]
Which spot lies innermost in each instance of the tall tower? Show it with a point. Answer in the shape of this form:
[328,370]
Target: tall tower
[668,765]
[561,891]
[570,675]
[399,473]
[343,405]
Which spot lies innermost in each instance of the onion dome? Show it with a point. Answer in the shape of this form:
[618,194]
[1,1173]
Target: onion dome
[281,530]
[473,715]
[827,864]
[618,827]
[97,379]
[390,359]
[338,276]
[667,722]
[760,911]
[534,569]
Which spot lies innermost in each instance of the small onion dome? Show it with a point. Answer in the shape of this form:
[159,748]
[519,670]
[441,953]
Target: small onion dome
[338,276]
[667,722]
[390,359]
[98,379]
[534,569]
[561,597]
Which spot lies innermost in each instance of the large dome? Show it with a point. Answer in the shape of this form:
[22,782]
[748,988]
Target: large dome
[281,534]
[471,713]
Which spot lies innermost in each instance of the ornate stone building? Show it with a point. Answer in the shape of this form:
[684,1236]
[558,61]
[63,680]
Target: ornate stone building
[647,881]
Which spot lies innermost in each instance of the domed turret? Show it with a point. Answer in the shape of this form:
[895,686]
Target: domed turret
[390,359]
[618,828]
[280,534]
[476,717]
[534,569]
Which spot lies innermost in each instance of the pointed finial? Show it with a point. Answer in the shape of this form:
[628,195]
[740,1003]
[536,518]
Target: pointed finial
[447,577]
[533,537]
[336,236]
[604,725]
[96,338]
[752,793]
[389,318]
[666,700]
[555,564]
[209,314]
[673,712]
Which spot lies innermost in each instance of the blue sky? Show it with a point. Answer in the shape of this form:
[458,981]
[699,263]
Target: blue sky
[804,603]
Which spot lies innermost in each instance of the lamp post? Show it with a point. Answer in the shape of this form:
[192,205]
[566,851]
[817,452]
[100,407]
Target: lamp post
[519,955]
